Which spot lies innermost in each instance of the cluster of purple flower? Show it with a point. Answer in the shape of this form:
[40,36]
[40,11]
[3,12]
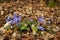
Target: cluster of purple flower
[41,20]
[14,20]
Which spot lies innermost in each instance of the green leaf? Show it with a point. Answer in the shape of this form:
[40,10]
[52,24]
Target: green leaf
[34,28]
[26,21]
[33,22]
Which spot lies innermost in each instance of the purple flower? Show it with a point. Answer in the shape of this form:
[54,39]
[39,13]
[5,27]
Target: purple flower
[41,18]
[31,19]
[8,19]
[41,28]
[15,20]
[15,14]
[17,17]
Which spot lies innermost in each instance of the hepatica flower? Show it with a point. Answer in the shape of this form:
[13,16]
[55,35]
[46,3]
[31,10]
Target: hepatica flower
[31,19]
[15,20]
[8,19]
[41,28]
[41,19]
[15,14]
[17,17]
